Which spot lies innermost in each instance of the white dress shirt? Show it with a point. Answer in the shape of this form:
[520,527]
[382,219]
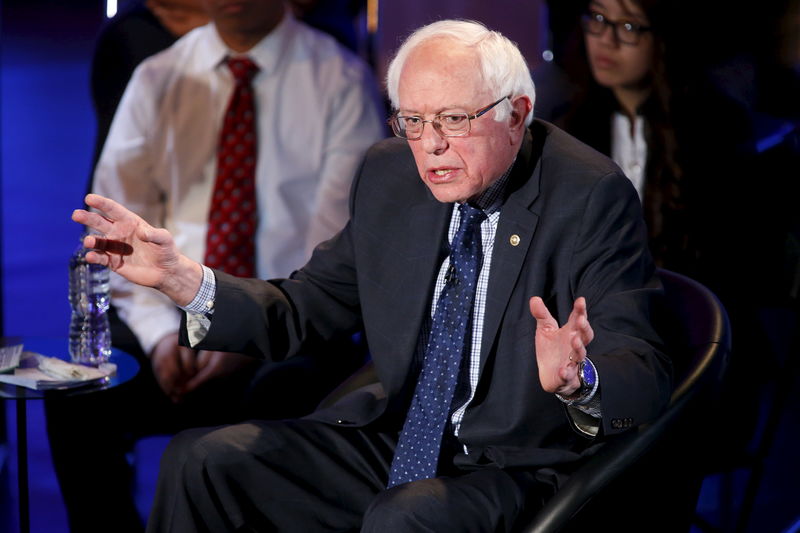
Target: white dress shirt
[629,148]
[318,111]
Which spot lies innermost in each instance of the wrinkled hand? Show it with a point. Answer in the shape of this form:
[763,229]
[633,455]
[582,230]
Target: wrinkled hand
[212,365]
[559,350]
[173,366]
[138,251]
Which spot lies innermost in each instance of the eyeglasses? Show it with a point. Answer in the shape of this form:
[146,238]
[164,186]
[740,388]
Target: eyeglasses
[447,124]
[626,32]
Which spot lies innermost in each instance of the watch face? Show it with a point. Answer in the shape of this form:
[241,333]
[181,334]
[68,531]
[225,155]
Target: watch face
[588,374]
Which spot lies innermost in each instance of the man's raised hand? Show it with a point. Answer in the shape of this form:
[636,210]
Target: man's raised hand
[559,350]
[136,250]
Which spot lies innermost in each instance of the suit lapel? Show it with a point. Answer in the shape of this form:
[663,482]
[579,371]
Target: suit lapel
[423,256]
[515,232]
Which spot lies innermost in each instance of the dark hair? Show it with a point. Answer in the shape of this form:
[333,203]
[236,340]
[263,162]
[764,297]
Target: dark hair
[665,195]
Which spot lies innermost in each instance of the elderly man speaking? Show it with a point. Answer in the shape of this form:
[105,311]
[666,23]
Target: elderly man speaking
[481,246]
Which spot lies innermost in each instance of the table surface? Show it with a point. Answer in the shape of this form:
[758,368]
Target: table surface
[127,368]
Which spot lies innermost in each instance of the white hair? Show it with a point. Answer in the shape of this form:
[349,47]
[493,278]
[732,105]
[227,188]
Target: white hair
[501,63]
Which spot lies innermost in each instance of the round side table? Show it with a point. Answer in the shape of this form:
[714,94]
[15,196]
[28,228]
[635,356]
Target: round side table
[127,368]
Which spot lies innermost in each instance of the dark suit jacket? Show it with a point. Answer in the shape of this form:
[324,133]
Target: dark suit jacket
[580,233]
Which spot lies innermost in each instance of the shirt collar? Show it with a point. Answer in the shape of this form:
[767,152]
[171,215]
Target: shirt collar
[491,199]
[266,54]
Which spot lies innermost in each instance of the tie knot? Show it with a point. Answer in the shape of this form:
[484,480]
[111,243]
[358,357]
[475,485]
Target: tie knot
[242,68]
[471,215]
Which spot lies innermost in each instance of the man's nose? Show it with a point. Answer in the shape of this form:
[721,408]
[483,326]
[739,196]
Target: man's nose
[433,142]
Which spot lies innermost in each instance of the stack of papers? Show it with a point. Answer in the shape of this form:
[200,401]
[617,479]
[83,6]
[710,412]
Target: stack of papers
[40,372]
[10,350]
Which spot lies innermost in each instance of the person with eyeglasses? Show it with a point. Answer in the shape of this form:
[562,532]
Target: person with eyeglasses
[644,94]
[639,96]
[500,270]
[620,46]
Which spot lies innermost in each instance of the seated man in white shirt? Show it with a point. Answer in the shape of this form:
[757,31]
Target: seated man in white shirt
[316,111]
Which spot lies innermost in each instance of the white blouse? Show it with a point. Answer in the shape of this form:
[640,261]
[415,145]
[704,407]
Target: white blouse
[629,148]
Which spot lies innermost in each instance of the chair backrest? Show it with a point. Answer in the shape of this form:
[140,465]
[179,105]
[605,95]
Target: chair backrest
[696,331]
[695,327]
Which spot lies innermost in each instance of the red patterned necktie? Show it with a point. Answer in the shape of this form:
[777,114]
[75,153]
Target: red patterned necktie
[233,215]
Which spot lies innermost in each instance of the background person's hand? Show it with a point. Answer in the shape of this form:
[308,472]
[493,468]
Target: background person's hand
[173,366]
[213,365]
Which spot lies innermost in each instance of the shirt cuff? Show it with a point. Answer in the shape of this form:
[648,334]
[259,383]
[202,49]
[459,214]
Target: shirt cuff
[585,410]
[200,309]
[203,302]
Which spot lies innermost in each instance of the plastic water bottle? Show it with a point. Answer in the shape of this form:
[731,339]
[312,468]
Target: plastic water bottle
[89,331]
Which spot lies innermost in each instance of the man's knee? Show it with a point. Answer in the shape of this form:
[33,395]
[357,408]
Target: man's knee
[416,506]
[195,450]
[484,500]
[177,452]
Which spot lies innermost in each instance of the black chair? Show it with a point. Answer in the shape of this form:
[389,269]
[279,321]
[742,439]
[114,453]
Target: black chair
[648,478]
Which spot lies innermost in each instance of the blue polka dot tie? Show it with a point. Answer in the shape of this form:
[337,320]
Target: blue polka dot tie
[417,451]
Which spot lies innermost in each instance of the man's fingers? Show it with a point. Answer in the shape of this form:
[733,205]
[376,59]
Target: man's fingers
[112,209]
[93,220]
[578,311]
[80,216]
[541,313]
[586,331]
[578,349]
[97,258]
[579,321]
[584,327]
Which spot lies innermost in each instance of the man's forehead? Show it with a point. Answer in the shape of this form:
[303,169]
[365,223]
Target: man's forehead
[442,100]
[424,107]
[438,76]
[442,55]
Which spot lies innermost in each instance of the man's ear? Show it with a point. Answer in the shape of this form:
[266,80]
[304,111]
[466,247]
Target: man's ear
[520,107]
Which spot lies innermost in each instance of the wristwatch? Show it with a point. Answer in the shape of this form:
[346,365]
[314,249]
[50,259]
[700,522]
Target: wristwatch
[588,377]
[587,374]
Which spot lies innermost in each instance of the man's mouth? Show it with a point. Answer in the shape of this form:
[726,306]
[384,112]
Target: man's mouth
[441,175]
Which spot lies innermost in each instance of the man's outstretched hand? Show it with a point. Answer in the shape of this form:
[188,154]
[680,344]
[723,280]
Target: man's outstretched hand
[137,251]
[559,350]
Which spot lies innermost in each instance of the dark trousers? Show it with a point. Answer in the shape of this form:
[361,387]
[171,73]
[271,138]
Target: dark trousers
[92,435]
[306,476]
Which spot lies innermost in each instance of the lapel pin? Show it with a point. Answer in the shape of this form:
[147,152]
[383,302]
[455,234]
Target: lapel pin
[514,240]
